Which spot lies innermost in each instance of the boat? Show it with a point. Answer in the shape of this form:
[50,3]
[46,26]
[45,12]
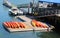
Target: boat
[15,11]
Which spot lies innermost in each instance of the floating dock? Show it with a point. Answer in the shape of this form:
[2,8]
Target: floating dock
[24,26]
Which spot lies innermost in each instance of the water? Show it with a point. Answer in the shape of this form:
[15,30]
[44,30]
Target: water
[4,16]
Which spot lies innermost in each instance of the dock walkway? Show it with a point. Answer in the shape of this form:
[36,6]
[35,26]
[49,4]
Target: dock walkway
[24,18]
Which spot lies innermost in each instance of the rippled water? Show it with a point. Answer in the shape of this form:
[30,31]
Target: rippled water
[4,16]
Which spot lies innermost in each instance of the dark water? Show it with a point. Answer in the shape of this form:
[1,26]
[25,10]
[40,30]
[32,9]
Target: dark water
[4,16]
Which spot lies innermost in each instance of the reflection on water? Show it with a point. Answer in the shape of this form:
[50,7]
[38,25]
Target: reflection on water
[48,35]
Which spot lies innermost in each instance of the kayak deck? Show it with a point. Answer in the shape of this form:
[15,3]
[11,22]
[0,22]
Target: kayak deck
[19,28]
[25,26]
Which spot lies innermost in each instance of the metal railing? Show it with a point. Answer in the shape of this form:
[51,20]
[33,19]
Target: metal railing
[47,11]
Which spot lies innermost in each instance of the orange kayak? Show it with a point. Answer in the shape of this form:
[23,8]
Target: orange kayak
[14,24]
[21,25]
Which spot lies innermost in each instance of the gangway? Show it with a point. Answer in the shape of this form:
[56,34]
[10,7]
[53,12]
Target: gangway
[24,18]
